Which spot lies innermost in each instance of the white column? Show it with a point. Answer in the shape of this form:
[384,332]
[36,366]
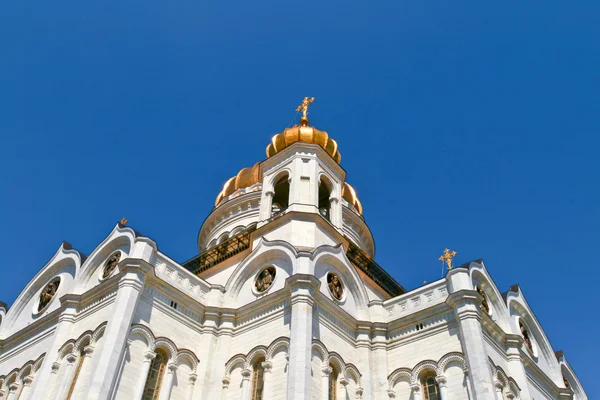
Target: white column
[266,205]
[363,348]
[246,373]
[106,364]
[148,357]
[12,391]
[467,314]
[379,353]
[359,393]
[225,383]
[267,367]
[326,370]
[302,289]
[344,392]
[516,370]
[193,377]
[67,377]
[468,382]
[498,386]
[441,381]
[26,391]
[335,212]
[167,385]
[46,374]
[82,379]
[219,329]
[416,390]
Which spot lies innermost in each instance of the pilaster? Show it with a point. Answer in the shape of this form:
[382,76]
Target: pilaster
[380,361]
[43,379]
[106,365]
[516,370]
[466,310]
[363,346]
[302,289]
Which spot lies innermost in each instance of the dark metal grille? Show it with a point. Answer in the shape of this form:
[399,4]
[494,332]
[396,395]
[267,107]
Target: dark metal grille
[373,270]
[221,252]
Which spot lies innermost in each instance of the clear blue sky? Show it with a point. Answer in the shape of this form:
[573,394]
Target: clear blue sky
[468,125]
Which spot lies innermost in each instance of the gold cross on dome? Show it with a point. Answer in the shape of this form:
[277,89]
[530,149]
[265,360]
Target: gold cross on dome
[447,257]
[304,106]
[123,221]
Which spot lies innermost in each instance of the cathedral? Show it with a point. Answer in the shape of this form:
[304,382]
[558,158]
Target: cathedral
[283,301]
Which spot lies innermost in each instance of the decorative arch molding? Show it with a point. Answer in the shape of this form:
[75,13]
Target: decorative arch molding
[246,360]
[479,273]
[19,374]
[502,380]
[75,346]
[519,308]
[264,252]
[412,375]
[345,370]
[176,355]
[66,260]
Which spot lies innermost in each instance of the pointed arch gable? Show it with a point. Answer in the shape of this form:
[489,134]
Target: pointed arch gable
[120,238]
[479,273]
[335,256]
[519,308]
[66,263]
[265,252]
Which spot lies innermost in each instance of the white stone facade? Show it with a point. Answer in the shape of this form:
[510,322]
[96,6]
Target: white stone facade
[98,336]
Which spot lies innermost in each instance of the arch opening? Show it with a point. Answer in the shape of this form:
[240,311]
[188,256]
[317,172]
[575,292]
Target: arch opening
[281,197]
[324,204]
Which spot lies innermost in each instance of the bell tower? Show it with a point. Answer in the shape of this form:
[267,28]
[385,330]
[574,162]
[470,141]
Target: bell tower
[301,176]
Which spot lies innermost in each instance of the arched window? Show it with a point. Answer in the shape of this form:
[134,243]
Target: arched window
[333,377]
[431,390]
[281,197]
[258,380]
[324,195]
[155,376]
[76,375]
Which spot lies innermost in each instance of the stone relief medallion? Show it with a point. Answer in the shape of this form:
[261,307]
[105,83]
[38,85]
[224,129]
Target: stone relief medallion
[335,286]
[264,279]
[111,264]
[48,293]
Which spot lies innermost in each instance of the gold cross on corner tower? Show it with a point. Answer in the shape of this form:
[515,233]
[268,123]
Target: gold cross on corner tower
[447,257]
[304,108]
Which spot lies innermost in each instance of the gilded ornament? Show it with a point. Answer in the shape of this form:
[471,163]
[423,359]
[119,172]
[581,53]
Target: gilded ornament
[447,257]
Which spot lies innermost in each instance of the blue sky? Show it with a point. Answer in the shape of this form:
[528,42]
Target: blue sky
[468,125]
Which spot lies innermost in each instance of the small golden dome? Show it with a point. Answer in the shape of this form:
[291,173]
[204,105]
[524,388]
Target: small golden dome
[246,177]
[349,194]
[305,134]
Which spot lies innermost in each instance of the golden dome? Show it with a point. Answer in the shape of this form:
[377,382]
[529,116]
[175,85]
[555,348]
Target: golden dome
[305,134]
[246,177]
[349,194]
